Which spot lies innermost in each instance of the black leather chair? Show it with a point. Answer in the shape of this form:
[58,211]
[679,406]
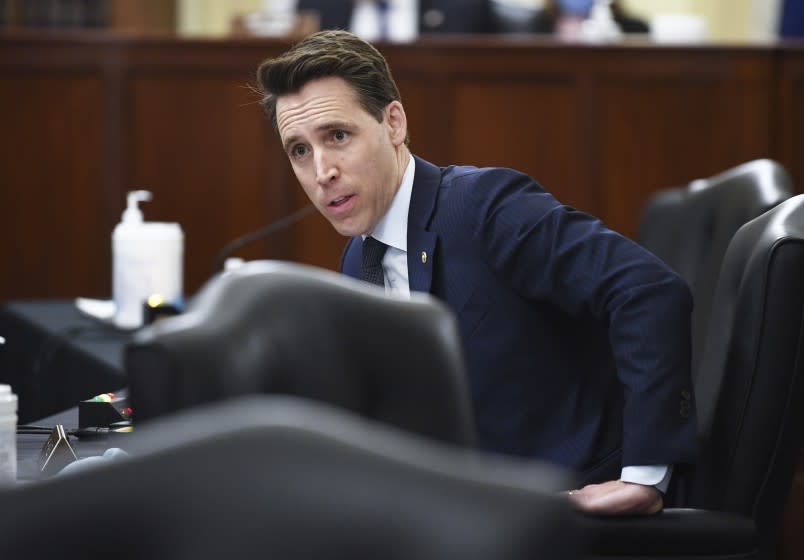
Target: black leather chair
[292,479]
[690,227]
[274,327]
[750,402]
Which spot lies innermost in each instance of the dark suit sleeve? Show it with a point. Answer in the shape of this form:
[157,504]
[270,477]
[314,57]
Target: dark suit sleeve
[552,253]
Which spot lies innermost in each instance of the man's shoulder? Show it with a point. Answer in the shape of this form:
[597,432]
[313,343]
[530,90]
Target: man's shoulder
[467,190]
[473,173]
[464,180]
[465,174]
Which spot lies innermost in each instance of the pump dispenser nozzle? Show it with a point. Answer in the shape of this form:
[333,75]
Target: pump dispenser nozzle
[132,212]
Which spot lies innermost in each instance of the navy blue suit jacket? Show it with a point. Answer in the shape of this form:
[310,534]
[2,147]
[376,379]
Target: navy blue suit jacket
[577,340]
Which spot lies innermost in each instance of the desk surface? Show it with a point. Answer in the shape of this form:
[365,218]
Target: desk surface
[55,356]
[29,446]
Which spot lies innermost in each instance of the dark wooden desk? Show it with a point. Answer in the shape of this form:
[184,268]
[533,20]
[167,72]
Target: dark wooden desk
[55,356]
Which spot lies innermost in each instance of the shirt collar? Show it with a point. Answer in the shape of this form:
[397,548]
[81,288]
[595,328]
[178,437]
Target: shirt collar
[392,229]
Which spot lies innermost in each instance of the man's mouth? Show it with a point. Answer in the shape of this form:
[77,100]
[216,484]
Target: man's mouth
[340,201]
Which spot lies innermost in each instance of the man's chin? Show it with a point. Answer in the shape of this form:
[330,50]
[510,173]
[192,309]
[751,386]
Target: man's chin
[347,229]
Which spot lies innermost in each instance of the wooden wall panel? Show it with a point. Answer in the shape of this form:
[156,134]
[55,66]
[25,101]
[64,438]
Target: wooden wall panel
[429,127]
[662,123]
[600,127]
[201,145]
[51,187]
[529,125]
[654,136]
[790,114]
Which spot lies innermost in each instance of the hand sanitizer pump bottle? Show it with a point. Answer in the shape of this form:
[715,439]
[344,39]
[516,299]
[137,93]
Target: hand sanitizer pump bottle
[146,262]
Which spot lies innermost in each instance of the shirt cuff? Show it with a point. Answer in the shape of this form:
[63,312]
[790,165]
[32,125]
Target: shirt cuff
[649,475]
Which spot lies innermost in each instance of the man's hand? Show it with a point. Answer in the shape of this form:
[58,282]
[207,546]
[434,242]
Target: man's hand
[617,498]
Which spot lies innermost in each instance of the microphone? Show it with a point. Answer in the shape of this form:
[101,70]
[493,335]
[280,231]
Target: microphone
[265,231]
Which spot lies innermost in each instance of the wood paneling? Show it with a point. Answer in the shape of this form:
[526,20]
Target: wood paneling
[529,125]
[54,239]
[200,144]
[601,127]
[790,113]
[666,124]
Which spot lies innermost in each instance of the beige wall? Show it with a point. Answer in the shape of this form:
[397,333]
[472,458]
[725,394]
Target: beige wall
[727,20]
[211,17]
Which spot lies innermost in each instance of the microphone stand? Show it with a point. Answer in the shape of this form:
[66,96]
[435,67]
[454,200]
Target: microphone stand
[261,233]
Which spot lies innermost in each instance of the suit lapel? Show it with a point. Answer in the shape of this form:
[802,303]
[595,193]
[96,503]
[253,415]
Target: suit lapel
[422,243]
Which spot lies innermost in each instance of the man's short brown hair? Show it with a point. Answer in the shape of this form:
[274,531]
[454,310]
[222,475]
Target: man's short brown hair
[331,53]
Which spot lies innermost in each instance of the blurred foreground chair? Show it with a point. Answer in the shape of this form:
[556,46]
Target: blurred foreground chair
[274,327]
[292,479]
[690,227]
[750,402]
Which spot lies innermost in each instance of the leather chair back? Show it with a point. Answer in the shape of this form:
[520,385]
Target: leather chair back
[273,327]
[690,227]
[750,386]
[276,477]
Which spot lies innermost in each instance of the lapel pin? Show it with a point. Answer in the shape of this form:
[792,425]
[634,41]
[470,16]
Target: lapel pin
[424,257]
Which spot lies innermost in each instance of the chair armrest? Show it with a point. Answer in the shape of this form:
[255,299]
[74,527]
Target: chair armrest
[675,532]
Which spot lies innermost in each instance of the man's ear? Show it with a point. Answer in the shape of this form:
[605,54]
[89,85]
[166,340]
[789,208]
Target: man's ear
[397,122]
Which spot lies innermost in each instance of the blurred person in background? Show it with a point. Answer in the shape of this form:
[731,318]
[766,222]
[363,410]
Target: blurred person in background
[435,16]
[564,17]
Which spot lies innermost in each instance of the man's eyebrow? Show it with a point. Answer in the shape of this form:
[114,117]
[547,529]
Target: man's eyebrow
[324,127]
[332,125]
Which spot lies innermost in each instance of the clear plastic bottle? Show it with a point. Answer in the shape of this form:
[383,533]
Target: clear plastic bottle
[147,260]
[8,435]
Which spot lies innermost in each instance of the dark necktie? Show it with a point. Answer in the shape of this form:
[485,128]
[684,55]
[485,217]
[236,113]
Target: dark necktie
[373,252]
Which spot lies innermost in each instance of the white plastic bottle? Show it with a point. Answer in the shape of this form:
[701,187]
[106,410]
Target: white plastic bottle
[8,435]
[147,260]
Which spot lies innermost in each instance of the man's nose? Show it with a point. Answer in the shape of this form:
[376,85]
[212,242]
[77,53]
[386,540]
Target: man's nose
[325,169]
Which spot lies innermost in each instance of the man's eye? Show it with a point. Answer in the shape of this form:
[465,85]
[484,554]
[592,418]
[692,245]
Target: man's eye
[340,135]
[299,151]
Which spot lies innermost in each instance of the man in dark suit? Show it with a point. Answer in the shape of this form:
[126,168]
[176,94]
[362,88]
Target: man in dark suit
[576,339]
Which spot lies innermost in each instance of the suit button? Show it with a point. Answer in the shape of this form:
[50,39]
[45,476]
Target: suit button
[684,409]
[685,395]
